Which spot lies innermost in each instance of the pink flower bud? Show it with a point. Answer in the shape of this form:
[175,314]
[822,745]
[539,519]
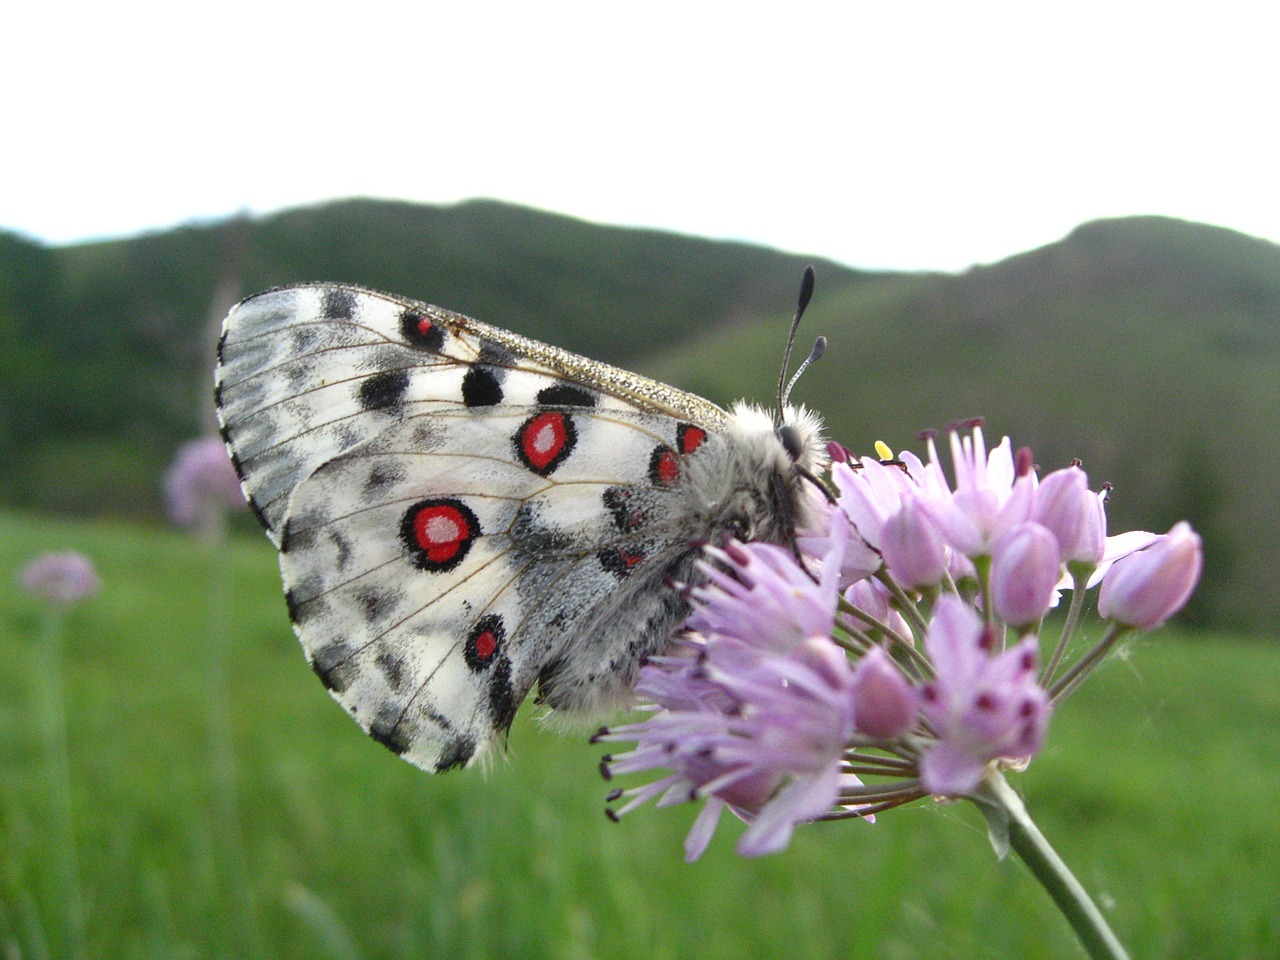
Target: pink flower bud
[871,597]
[885,704]
[1073,514]
[1024,573]
[1146,588]
[912,547]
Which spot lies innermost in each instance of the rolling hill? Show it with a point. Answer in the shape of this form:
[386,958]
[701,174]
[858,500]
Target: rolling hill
[1147,347]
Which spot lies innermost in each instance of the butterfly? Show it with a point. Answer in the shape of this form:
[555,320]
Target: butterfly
[463,513]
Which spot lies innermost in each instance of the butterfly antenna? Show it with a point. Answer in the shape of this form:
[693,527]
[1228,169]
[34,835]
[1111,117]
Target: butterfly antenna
[819,348]
[806,293]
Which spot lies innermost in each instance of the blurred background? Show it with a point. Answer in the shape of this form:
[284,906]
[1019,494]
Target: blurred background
[1064,221]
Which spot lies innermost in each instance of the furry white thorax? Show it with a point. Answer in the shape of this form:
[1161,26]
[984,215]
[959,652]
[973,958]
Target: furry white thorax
[736,482]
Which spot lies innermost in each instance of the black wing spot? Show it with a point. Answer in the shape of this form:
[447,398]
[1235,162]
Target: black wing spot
[502,696]
[565,395]
[455,754]
[333,666]
[384,390]
[480,388]
[338,304]
[421,331]
[388,731]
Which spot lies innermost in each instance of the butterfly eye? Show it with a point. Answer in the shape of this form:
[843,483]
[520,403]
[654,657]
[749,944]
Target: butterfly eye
[741,528]
[789,437]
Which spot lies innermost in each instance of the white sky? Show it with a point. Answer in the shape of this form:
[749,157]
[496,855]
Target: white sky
[881,134]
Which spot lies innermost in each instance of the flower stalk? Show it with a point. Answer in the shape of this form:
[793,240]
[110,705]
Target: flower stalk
[1050,870]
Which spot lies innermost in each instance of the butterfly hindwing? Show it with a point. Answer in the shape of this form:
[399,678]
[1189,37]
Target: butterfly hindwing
[434,576]
[457,520]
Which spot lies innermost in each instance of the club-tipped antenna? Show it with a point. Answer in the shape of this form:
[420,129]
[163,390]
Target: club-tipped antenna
[819,348]
[806,292]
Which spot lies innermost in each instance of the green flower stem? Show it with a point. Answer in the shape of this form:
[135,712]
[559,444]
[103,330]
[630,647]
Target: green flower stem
[58,771]
[1079,585]
[226,806]
[1072,678]
[906,606]
[911,657]
[1047,867]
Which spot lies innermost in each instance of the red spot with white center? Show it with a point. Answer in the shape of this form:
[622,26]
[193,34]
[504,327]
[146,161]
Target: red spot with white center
[544,440]
[439,533]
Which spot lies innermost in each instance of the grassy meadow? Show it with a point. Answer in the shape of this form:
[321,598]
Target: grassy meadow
[222,806]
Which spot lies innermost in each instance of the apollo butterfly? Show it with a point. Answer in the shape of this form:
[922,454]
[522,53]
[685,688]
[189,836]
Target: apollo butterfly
[463,513]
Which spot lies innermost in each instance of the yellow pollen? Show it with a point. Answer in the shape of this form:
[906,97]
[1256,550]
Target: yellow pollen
[883,451]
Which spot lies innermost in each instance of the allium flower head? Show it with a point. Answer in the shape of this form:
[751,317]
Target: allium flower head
[982,705]
[61,578]
[201,483]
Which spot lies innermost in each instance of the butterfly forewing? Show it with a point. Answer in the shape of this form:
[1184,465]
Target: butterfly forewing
[458,508]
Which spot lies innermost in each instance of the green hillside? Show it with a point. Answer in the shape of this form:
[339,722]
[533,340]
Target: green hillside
[1147,347]
[108,346]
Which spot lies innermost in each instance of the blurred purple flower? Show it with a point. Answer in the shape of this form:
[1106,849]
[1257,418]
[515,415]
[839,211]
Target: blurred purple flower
[201,483]
[857,562]
[872,597]
[61,578]
[982,706]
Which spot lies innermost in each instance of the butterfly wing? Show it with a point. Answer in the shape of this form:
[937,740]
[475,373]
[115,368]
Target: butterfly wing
[307,372]
[459,509]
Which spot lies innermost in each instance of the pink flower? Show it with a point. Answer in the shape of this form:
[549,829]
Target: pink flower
[912,547]
[983,707]
[61,578]
[857,561]
[870,494]
[765,743]
[885,704]
[871,597]
[757,593]
[1147,587]
[201,483]
[991,494]
[1024,574]
[1073,514]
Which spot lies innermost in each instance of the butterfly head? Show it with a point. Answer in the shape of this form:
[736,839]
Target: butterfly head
[751,485]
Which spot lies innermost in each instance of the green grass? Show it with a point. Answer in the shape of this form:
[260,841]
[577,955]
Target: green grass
[1158,786]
